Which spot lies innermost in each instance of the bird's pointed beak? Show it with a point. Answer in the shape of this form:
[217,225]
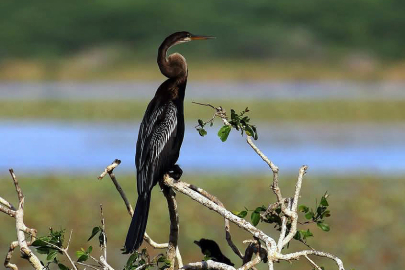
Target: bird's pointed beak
[198,37]
[197,243]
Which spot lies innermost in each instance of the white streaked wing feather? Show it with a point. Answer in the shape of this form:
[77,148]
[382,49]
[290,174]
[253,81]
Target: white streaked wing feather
[159,136]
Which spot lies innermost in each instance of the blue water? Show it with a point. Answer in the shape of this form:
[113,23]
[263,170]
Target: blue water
[63,147]
[297,90]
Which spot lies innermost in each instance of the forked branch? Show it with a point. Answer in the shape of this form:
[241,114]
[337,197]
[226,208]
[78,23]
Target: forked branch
[21,229]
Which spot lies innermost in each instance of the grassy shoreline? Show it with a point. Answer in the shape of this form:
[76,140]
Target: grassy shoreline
[74,69]
[261,111]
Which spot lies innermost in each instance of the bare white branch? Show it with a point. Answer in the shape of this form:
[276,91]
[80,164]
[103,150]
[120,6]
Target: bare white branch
[172,249]
[293,212]
[184,188]
[104,263]
[9,255]
[209,264]
[6,204]
[7,211]
[21,229]
[178,258]
[104,246]
[297,255]
[228,235]
[88,265]
[153,244]
[109,170]
[312,262]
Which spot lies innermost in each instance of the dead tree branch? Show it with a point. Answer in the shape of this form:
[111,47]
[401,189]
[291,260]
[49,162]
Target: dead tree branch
[104,246]
[288,207]
[184,188]
[9,255]
[228,235]
[109,170]
[21,229]
[172,246]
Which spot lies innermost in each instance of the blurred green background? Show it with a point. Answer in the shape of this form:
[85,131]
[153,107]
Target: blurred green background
[82,40]
[324,81]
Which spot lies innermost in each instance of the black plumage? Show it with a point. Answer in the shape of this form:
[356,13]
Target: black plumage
[160,135]
[211,249]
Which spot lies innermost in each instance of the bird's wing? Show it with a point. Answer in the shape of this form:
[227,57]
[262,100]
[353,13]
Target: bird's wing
[156,137]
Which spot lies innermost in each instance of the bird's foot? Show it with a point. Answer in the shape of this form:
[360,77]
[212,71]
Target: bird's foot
[176,172]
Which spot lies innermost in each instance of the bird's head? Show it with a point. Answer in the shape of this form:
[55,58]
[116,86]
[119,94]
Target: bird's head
[184,36]
[175,66]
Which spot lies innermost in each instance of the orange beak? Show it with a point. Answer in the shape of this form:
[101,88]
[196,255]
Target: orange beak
[197,37]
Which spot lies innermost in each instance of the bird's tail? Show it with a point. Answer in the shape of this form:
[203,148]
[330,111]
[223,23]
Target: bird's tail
[138,224]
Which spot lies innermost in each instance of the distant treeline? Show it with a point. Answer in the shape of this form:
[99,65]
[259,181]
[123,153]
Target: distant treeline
[247,29]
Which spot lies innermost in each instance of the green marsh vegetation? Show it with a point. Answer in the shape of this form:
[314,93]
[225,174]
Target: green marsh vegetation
[260,111]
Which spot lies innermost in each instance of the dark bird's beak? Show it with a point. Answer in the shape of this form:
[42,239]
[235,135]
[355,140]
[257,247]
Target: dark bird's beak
[197,37]
[197,243]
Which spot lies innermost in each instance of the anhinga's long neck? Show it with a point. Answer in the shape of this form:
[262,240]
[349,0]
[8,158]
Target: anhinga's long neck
[175,65]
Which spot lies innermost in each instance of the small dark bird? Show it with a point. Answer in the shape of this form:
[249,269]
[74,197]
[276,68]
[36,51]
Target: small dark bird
[211,249]
[161,134]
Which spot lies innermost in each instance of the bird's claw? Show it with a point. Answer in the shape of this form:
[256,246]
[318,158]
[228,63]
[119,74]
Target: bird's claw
[176,172]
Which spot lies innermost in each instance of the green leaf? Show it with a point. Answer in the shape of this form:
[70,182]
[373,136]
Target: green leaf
[249,131]
[234,116]
[80,253]
[324,202]
[211,124]
[95,231]
[132,259]
[245,119]
[51,255]
[303,208]
[306,234]
[43,250]
[161,259]
[201,123]
[326,213]
[83,258]
[101,238]
[324,227]
[260,209]
[39,243]
[297,235]
[223,133]
[62,266]
[255,217]
[309,215]
[202,132]
[240,214]
[255,136]
[89,250]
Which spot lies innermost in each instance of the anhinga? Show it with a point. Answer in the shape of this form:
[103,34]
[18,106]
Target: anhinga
[161,134]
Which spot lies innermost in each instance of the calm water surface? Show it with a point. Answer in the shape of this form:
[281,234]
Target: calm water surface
[297,90]
[55,147]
